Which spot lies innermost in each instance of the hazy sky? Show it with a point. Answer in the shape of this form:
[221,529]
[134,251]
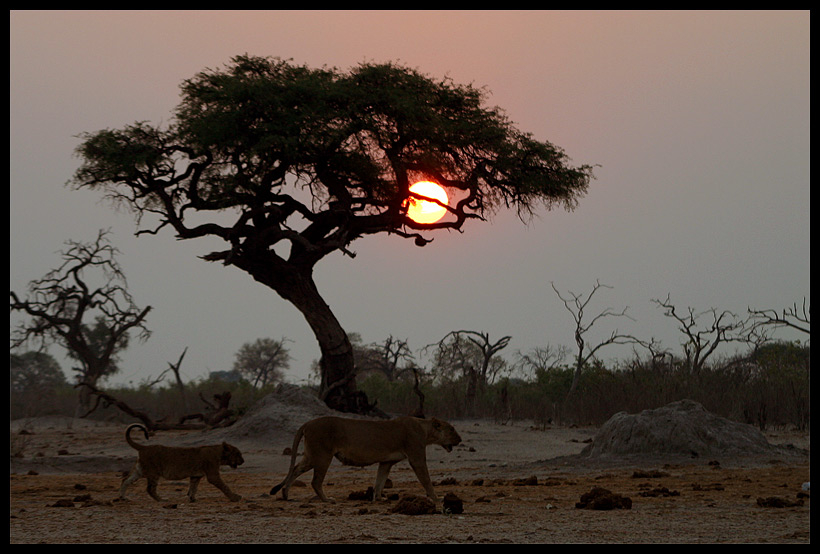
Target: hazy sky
[699,121]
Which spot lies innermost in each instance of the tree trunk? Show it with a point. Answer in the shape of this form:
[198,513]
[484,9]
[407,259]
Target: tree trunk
[338,384]
[84,397]
[90,376]
[472,388]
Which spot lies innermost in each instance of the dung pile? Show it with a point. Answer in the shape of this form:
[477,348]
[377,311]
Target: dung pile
[682,428]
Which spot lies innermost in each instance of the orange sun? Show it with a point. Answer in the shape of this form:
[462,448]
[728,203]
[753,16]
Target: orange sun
[422,211]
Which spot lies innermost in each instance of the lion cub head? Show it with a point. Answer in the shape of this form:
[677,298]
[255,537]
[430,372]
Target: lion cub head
[444,434]
[231,456]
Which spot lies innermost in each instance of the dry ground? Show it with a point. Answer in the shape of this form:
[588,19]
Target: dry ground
[705,503]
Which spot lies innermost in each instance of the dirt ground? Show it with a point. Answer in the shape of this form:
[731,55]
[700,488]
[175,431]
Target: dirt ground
[518,484]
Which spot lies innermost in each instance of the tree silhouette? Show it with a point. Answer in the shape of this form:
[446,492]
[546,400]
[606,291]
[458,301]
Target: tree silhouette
[576,305]
[702,340]
[287,164]
[89,283]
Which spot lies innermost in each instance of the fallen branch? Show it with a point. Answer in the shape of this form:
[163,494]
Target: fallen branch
[221,416]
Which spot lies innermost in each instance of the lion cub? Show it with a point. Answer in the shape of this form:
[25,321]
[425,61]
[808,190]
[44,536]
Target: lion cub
[171,462]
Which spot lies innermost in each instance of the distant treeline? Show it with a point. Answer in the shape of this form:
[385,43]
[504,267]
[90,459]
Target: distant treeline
[768,387]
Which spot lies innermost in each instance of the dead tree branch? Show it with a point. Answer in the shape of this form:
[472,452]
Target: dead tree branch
[576,306]
[794,317]
[221,415]
[702,341]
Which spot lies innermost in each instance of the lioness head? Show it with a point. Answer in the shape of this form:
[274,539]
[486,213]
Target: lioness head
[445,434]
[231,456]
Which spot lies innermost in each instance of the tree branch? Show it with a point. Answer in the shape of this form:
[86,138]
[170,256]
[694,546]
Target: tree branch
[221,416]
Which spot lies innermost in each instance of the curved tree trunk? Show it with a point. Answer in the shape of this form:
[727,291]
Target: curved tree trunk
[338,384]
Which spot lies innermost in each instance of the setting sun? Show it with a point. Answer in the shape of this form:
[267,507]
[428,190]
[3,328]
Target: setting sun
[422,211]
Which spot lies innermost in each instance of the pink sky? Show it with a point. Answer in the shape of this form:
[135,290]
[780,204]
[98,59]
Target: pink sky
[699,121]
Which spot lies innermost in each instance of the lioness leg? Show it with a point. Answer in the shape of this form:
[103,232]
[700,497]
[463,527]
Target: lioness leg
[319,472]
[297,470]
[419,465]
[381,478]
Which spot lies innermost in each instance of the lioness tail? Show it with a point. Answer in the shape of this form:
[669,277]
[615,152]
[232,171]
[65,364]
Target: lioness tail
[296,440]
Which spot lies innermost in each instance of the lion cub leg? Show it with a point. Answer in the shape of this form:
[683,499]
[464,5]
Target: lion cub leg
[192,485]
[153,481]
[381,479]
[216,480]
[136,473]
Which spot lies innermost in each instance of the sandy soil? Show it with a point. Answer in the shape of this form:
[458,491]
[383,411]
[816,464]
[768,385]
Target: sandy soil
[78,463]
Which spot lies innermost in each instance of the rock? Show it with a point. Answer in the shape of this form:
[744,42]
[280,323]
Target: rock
[603,499]
[526,481]
[659,491]
[778,502]
[452,504]
[652,474]
[682,428]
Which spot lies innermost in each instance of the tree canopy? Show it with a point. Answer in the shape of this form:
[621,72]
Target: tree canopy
[263,361]
[245,135]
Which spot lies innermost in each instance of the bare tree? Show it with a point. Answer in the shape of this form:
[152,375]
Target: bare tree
[541,358]
[216,415]
[702,340]
[793,317]
[385,357]
[472,355]
[419,411]
[179,384]
[477,357]
[576,304]
[60,304]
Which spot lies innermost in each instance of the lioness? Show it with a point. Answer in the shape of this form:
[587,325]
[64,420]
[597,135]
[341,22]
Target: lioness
[171,462]
[361,443]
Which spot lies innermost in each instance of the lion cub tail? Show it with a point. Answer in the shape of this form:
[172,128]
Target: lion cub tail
[296,440]
[130,441]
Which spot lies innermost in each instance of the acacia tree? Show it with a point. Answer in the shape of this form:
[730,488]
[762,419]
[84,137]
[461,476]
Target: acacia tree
[287,164]
[263,361]
[88,284]
[33,371]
